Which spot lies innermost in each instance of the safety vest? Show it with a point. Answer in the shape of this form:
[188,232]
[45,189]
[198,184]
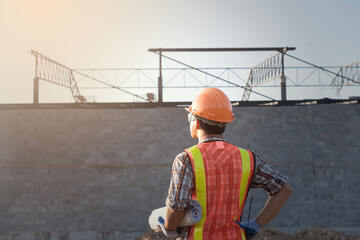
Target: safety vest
[222,174]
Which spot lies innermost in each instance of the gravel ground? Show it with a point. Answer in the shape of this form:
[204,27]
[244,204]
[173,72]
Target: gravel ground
[273,234]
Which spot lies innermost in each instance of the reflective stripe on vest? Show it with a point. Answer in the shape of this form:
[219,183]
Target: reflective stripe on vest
[200,181]
[200,185]
[245,177]
[246,168]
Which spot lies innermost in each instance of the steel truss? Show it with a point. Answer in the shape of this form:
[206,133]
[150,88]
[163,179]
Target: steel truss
[145,81]
[346,74]
[247,88]
[270,69]
[49,70]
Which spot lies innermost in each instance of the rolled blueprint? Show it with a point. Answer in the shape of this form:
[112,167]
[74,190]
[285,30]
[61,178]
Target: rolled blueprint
[191,217]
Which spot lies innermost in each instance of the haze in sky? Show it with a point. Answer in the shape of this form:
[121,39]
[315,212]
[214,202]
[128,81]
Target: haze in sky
[118,33]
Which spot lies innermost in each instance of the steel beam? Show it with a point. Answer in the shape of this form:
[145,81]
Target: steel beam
[255,49]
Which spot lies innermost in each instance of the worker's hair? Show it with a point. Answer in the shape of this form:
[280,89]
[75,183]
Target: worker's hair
[211,129]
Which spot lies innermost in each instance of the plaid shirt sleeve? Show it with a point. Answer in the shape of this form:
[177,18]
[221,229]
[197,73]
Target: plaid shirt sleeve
[266,177]
[181,183]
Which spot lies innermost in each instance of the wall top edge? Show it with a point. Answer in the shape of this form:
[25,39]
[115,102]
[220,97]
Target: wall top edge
[306,102]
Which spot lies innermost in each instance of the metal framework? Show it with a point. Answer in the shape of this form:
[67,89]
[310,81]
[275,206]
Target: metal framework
[258,74]
[345,74]
[146,81]
[268,70]
[49,70]
[255,49]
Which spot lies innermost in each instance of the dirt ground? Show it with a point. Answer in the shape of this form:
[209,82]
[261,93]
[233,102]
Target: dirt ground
[273,234]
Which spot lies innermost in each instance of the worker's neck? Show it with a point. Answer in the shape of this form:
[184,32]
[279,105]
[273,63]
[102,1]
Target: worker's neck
[202,135]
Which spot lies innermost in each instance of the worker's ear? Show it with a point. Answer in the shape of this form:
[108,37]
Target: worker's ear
[197,124]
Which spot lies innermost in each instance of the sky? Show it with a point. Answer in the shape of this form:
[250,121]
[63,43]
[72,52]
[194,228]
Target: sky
[89,34]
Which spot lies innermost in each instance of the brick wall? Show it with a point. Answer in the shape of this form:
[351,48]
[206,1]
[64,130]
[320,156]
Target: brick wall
[98,173]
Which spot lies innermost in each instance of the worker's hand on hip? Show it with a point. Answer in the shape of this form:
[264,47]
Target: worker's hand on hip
[251,229]
[161,223]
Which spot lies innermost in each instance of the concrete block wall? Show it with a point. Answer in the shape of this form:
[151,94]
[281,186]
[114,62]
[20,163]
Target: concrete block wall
[98,173]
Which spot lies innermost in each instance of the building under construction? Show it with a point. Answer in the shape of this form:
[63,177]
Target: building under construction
[93,170]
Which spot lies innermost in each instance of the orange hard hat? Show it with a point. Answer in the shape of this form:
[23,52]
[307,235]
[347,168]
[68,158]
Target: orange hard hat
[212,104]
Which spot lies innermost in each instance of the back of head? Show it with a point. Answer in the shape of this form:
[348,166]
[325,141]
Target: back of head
[213,108]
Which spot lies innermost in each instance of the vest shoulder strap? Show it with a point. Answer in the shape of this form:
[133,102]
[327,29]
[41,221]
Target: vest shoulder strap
[200,185]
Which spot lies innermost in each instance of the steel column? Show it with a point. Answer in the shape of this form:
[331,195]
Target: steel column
[36,90]
[36,82]
[160,84]
[283,78]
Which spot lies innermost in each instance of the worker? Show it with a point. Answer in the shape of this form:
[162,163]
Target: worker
[219,175]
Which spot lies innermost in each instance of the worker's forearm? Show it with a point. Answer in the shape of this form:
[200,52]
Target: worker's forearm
[173,218]
[273,205]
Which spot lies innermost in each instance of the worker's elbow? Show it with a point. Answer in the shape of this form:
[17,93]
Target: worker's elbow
[287,190]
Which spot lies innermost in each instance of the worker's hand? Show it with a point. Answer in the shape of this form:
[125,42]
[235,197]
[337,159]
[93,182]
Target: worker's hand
[167,233]
[251,230]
